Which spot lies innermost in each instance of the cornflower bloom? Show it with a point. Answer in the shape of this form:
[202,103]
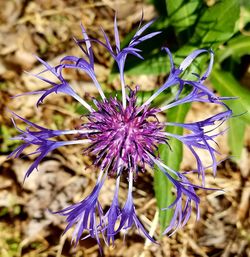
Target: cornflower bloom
[123,138]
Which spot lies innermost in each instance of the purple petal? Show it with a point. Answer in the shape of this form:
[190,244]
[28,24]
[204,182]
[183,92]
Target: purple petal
[189,59]
[117,39]
[83,215]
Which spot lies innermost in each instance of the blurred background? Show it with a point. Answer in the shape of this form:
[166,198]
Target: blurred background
[45,28]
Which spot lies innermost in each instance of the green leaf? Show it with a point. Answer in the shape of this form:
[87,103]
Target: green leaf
[151,51]
[244,18]
[155,64]
[172,158]
[245,3]
[160,6]
[182,14]
[173,6]
[236,47]
[159,63]
[6,143]
[217,24]
[236,133]
[227,85]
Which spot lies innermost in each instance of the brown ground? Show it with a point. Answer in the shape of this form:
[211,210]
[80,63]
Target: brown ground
[27,229]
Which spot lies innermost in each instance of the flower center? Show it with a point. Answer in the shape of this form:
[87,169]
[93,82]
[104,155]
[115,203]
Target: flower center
[123,137]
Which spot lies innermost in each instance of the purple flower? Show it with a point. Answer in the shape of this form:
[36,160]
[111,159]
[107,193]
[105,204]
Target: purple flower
[123,138]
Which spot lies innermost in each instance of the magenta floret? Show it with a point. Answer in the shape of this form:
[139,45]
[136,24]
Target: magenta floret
[123,137]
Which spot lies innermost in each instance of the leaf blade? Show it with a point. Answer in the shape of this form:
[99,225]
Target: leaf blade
[182,14]
[237,47]
[217,24]
[162,185]
[236,134]
[227,85]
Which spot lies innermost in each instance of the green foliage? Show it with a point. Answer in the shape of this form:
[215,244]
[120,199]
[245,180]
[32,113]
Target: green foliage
[160,6]
[6,133]
[217,24]
[9,241]
[189,25]
[157,63]
[171,157]
[236,48]
[236,135]
[227,85]
[183,14]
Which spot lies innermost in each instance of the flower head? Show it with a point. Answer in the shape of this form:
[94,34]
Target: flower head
[123,138]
